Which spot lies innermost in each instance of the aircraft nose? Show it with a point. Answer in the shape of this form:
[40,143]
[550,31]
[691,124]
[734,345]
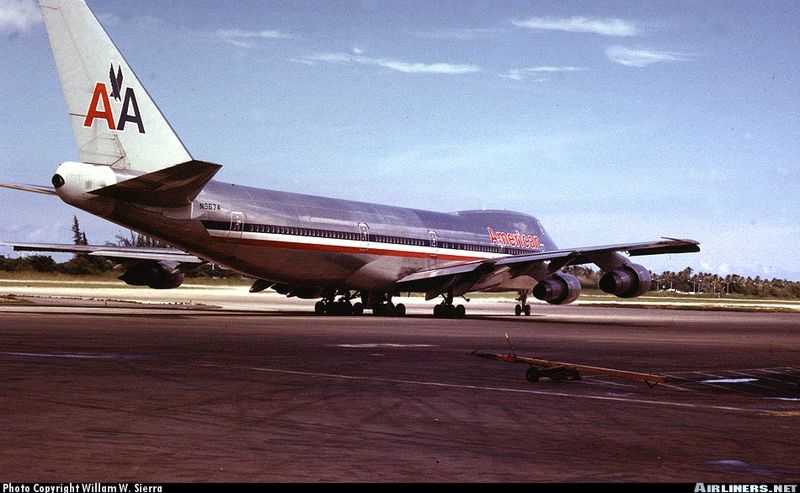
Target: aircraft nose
[58,181]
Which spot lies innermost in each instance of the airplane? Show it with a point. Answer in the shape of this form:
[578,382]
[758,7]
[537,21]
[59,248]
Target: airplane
[351,256]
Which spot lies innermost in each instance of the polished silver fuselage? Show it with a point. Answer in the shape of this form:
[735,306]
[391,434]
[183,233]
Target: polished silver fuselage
[309,241]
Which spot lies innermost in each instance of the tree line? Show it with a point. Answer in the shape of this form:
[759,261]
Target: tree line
[688,281]
[685,281]
[83,264]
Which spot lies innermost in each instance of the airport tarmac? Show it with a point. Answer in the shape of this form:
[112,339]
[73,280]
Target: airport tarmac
[92,388]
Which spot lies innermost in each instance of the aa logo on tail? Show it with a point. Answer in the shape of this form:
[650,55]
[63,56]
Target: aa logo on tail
[100,105]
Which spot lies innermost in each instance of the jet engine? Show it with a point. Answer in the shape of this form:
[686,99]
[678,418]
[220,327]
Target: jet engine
[558,289]
[156,275]
[628,281]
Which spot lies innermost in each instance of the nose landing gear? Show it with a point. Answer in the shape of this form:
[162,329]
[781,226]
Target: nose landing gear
[523,306]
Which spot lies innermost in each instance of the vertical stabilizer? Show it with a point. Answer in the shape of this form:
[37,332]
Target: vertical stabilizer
[114,120]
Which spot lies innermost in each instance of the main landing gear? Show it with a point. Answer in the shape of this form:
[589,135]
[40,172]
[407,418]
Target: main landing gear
[380,304]
[446,309]
[342,306]
[389,309]
[523,306]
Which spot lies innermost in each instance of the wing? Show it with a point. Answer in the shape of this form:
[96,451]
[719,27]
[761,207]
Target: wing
[477,275]
[112,252]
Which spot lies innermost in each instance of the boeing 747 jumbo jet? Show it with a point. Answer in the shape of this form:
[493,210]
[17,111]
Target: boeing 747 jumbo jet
[352,256]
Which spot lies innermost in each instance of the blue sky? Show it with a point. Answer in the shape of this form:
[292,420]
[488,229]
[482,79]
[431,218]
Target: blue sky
[610,121]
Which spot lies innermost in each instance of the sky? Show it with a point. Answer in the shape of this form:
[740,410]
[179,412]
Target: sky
[610,121]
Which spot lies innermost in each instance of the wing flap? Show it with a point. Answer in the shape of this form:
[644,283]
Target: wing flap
[460,268]
[674,245]
[176,256]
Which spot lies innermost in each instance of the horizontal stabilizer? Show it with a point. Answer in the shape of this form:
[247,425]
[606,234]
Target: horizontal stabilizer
[176,186]
[29,188]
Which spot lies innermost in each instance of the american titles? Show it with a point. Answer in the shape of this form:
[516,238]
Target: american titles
[514,239]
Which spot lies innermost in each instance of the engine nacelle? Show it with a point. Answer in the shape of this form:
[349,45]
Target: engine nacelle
[73,181]
[628,281]
[153,275]
[558,289]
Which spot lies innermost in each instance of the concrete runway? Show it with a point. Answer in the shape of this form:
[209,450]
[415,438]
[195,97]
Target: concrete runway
[98,390]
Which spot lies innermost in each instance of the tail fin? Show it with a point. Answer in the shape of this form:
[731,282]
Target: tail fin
[115,121]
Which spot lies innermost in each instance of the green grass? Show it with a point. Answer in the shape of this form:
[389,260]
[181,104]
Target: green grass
[706,307]
[597,297]
[10,298]
[54,279]
[688,299]
[55,276]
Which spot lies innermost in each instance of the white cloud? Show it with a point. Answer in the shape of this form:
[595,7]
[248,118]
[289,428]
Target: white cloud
[641,57]
[241,37]
[18,16]
[524,73]
[606,27]
[357,50]
[302,61]
[458,34]
[397,65]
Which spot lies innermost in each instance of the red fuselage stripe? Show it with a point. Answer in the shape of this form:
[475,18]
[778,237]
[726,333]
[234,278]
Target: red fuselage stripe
[345,249]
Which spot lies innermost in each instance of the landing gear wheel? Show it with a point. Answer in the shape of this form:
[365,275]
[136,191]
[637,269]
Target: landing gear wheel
[400,310]
[446,309]
[347,308]
[319,307]
[358,308]
[532,374]
[523,306]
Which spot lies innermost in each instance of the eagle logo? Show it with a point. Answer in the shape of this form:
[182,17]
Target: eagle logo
[116,82]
